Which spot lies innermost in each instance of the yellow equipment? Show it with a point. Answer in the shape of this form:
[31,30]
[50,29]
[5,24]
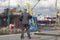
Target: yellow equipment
[29,8]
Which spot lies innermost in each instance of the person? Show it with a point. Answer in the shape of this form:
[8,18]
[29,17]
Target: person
[25,16]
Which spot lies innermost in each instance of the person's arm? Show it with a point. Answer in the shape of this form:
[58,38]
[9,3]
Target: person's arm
[29,16]
[21,17]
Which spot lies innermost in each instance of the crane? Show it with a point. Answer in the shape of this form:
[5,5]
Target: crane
[33,20]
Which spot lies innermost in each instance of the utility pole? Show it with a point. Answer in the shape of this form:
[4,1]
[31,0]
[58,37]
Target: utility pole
[57,15]
[8,13]
[56,11]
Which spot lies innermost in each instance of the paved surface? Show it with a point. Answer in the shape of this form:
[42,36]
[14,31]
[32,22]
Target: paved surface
[34,37]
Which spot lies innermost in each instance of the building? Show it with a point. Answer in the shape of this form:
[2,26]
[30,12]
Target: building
[14,17]
[50,21]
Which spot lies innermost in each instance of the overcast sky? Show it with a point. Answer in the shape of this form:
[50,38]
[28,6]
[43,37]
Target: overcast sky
[45,7]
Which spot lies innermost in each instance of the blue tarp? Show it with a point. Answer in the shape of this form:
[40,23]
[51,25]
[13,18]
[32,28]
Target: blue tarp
[33,27]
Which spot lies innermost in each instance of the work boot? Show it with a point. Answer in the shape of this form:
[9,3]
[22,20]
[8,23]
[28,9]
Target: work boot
[22,37]
[29,37]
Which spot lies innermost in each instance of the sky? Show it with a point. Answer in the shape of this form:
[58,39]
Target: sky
[45,7]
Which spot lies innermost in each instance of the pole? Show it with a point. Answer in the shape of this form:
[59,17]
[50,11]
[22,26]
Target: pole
[8,13]
[56,13]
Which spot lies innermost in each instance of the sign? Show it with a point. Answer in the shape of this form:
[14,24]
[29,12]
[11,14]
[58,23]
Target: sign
[12,26]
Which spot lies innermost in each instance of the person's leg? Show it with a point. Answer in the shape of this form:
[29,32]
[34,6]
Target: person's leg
[22,32]
[28,31]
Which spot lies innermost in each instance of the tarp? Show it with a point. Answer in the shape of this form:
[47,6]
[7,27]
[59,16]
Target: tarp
[33,26]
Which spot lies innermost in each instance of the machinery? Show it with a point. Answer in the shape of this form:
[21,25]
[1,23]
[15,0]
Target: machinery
[33,20]
[33,24]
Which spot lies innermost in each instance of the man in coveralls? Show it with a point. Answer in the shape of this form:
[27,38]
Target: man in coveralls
[25,16]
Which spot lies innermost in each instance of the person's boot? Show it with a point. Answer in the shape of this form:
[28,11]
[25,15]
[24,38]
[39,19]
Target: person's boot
[29,36]
[22,37]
